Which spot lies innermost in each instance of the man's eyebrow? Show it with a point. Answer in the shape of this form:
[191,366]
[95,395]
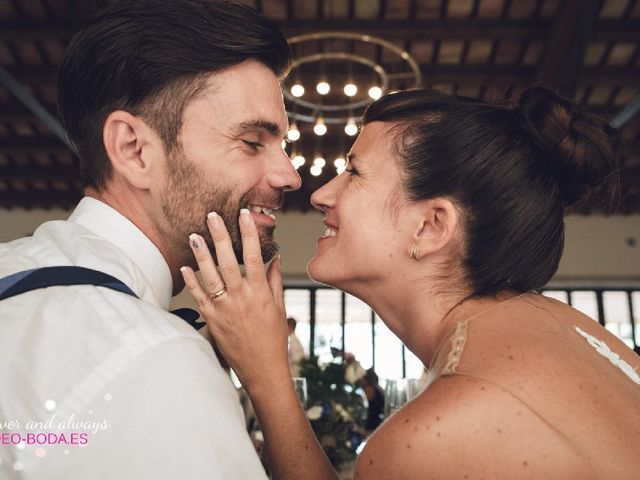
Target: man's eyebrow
[266,125]
[351,157]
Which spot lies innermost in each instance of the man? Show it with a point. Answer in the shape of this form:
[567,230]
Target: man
[175,109]
[296,350]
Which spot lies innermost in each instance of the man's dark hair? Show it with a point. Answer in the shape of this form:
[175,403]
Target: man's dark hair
[150,58]
[511,171]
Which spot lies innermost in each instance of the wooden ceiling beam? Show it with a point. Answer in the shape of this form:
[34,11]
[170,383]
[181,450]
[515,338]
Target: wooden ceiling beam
[38,199]
[30,173]
[15,114]
[31,102]
[566,45]
[32,145]
[463,29]
[463,74]
[32,29]
[610,76]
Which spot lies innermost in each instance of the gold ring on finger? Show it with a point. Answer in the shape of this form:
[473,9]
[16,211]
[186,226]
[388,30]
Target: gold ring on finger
[219,293]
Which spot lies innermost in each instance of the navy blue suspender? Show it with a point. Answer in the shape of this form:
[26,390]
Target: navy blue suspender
[44,277]
[37,278]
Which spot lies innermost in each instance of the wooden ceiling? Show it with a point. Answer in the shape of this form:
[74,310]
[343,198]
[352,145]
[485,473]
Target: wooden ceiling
[492,49]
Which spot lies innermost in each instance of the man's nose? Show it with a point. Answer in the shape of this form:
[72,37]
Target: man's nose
[282,175]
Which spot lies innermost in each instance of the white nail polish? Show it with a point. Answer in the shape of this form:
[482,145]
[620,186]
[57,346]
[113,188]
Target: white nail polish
[194,241]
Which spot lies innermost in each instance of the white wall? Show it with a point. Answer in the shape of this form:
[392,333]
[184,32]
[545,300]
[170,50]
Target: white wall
[16,223]
[597,247]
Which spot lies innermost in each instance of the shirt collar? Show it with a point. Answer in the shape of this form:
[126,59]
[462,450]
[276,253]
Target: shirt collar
[108,223]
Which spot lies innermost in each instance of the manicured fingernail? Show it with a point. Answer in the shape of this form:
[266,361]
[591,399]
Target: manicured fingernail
[244,216]
[183,269]
[194,240]
[214,219]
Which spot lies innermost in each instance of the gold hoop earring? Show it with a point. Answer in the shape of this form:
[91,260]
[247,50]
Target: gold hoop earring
[414,252]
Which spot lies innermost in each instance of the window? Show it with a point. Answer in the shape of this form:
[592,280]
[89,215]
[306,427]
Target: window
[329,319]
[617,316]
[358,334]
[298,303]
[560,295]
[328,331]
[586,302]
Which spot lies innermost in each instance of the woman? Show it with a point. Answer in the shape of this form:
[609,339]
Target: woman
[375,400]
[448,218]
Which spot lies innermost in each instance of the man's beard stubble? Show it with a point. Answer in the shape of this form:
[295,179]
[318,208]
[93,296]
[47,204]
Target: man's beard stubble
[188,198]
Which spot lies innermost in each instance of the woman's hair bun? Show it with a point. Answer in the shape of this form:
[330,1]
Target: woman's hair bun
[581,148]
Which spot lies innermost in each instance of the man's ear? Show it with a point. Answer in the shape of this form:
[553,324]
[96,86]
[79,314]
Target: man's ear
[132,147]
[436,228]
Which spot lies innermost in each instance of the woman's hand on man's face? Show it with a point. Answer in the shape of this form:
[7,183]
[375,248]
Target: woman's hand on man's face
[245,314]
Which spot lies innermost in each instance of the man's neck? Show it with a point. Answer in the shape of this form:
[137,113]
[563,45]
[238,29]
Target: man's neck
[129,205]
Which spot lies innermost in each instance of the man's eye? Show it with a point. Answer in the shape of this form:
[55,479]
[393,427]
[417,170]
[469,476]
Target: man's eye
[351,171]
[253,145]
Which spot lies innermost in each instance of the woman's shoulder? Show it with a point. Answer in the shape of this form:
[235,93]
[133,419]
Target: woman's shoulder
[535,336]
[465,426]
[526,332]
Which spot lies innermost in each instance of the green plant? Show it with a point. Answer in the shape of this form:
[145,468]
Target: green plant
[335,408]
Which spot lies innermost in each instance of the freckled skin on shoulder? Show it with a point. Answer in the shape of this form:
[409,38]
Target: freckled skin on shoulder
[467,428]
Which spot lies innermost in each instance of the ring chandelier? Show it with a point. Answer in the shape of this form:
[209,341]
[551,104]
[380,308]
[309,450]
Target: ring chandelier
[311,103]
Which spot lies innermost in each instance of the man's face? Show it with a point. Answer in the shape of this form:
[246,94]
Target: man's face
[230,157]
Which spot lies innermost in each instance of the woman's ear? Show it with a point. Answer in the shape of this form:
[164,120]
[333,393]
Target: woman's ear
[436,228]
[132,147]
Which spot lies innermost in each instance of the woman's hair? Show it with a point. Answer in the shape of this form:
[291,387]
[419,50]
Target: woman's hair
[511,171]
[150,58]
[371,377]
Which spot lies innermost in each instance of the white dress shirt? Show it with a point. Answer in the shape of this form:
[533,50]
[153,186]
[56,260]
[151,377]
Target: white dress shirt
[296,354]
[134,392]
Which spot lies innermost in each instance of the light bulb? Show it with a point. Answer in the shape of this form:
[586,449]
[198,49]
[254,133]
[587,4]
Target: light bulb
[375,92]
[339,170]
[351,128]
[320,128]
[323,88]
[298,161]
[340,163]
[319,161]
[315,170]
[297,90]
[293,134]
[350,89]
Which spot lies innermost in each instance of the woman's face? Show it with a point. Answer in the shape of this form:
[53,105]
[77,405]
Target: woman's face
[363,216]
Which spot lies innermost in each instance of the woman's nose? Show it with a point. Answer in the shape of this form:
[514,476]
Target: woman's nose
[325,196]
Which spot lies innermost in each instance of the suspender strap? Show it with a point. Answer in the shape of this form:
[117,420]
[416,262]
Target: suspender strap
[58,276]
[44,277]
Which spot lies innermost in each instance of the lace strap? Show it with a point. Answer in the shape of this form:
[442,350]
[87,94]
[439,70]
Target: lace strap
[458,340]
[603,349]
